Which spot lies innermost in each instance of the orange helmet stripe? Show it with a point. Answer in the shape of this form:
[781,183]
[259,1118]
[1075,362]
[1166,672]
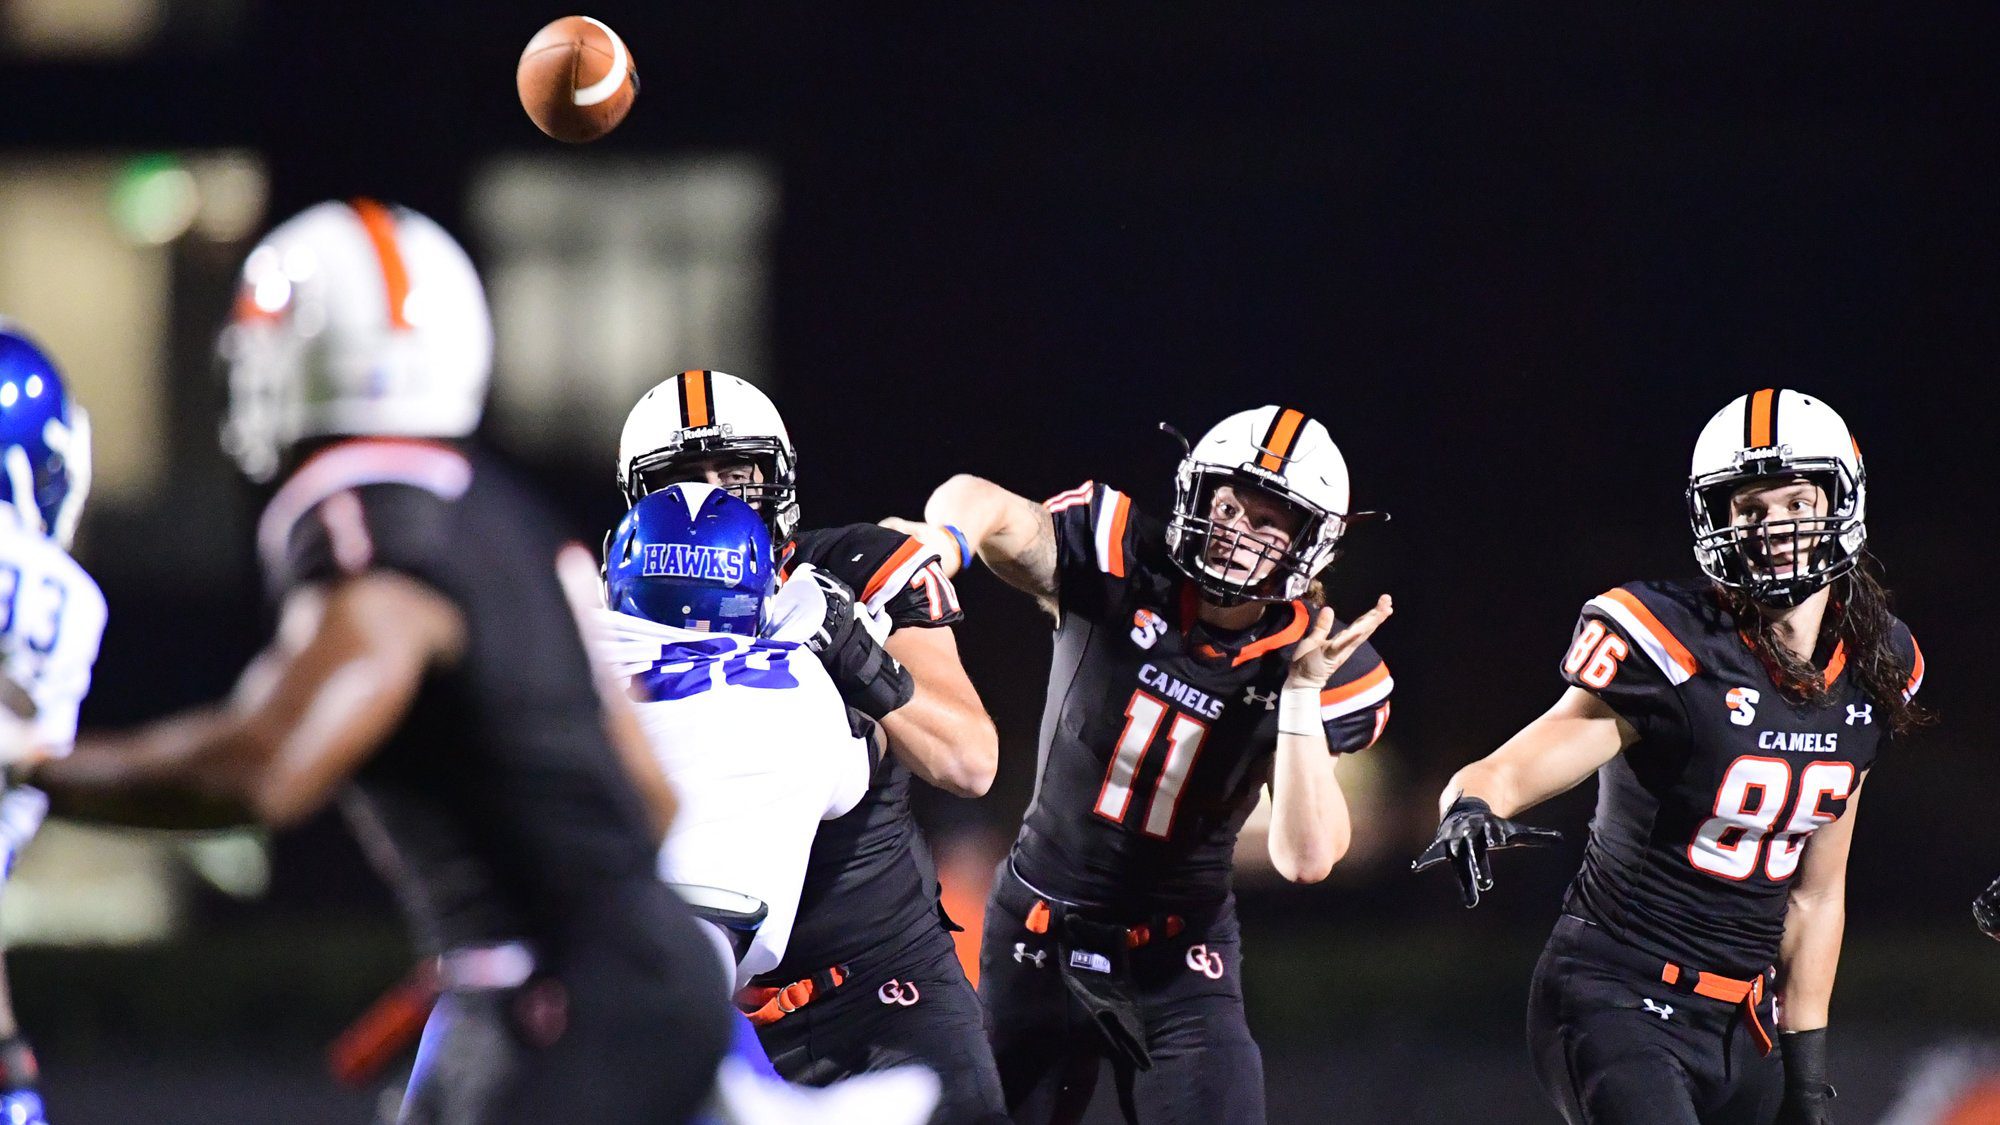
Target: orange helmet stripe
[1762,431]
[1278,443]
[380,226]
[697,399]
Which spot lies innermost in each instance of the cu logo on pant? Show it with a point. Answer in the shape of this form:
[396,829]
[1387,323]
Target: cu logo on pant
[1200,960]
[903,993]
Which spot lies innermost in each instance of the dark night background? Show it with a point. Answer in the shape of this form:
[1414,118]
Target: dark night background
[1512,261]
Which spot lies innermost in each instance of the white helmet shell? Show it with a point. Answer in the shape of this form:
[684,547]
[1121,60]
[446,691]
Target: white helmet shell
[354,318]
[1285,453]
[1777,433]
[712,414]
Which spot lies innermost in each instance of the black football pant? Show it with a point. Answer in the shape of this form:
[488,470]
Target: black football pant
[625,1030]
[1206,1070]
[1614,1045]
[913,1005]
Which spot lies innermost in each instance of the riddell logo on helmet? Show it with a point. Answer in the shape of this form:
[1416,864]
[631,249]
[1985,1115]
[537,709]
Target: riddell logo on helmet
[697,433]
[687,560]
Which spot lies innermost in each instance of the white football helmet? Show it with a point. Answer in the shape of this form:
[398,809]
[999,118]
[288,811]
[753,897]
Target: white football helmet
[700,414]
[354,318]
[1283,453]
[1777,433]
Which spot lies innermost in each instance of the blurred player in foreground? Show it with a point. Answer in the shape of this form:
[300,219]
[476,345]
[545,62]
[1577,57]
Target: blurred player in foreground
[1731,722]
[51,619]
[725,675]
[428,671]
[870,977]
[1195,662]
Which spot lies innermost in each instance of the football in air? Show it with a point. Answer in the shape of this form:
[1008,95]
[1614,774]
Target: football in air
[576,79]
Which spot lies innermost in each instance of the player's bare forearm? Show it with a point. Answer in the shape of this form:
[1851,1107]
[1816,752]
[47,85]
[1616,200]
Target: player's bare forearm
[943,733]
[1549,756]
[1013,535]
[1815,922]
[1808,958]
[163,775]
[1310,826]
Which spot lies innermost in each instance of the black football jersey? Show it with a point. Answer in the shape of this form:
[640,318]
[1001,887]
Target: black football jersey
[868,880]
[1158,730]
[1702,822]
[497,809]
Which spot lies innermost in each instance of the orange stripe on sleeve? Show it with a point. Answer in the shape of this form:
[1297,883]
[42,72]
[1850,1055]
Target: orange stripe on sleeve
[1916,669]
[380,226]
[1676,651]
[1760,418]
[888,569]
[1115,555]
[1349,690]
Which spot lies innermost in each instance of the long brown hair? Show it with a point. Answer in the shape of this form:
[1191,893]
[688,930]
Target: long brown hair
[1858,616]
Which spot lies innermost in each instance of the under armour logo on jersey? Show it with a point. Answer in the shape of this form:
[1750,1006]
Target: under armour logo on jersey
[1147,628]
[1268,698]
[1664,1011]
[1862,715]
[1740,702]
[902,993]
[1204,962]
[1036,958]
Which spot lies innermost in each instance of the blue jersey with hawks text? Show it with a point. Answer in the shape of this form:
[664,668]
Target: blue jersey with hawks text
[1159,730]
[1703,822]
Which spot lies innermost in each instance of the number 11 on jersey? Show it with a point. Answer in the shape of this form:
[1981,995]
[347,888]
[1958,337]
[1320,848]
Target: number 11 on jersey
[1143,717]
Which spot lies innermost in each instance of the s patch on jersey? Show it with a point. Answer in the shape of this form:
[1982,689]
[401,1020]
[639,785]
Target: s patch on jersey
[692,560]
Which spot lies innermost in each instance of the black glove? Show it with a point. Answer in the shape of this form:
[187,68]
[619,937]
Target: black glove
[1986,911]
[1468,831]
[1808,1097]
[869,679]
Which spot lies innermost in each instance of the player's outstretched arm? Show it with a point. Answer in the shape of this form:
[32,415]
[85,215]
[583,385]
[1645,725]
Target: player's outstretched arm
[1551,755]
[1310,825]
[346,665]
[1010,533]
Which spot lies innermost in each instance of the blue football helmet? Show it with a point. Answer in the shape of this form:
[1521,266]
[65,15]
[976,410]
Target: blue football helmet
[44,440]
[694,557]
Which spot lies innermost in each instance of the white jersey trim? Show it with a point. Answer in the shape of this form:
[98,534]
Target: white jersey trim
[437,469]
[1654,648]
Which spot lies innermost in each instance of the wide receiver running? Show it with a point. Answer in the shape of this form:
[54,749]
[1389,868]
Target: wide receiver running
[1731,722]
[1195,663]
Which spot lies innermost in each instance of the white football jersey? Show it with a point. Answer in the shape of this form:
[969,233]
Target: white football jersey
[51,620]
[754,738]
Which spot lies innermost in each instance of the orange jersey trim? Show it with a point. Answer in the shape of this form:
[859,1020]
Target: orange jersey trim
[1676,651]
[1835,663]
[888,569]
[1114,552]
[1373,679]
[380,226]
[1291,632]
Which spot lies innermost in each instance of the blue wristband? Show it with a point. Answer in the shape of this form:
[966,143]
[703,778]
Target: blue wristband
[964,548]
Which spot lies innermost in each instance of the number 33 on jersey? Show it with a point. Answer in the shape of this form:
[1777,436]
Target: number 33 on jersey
[51,620]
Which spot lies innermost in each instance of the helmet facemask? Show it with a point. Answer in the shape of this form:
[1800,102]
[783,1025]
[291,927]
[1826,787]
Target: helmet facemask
[775,498]
[1778,563]
[1214,555]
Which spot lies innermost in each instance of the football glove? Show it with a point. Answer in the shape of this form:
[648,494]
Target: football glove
[847,637]
[1808,1097]
[1986,911]
[1467,833]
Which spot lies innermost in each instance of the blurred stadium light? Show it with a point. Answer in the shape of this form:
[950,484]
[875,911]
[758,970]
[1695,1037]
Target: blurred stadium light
[665,261]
